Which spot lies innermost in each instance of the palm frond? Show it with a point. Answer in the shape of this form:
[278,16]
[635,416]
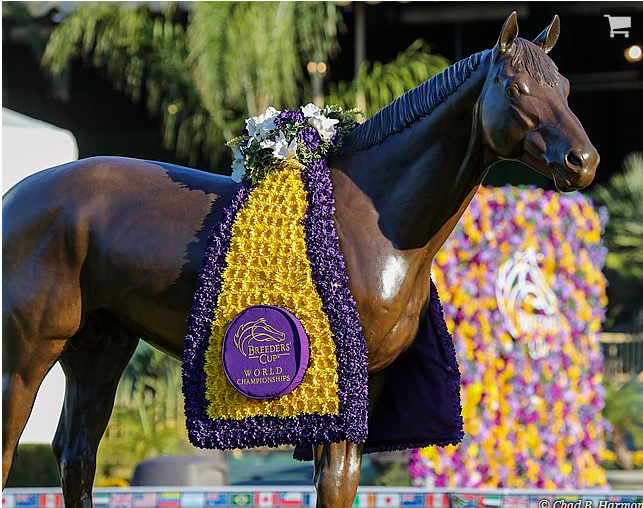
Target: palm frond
[141,53]
[624,409]
[377,84]
[256,55]
[231,61]
[623,237]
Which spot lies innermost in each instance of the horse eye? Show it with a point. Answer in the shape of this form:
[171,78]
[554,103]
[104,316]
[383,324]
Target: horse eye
[512,91]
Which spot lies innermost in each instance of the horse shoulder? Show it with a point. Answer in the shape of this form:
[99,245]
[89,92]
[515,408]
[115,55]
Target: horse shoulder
[390,286]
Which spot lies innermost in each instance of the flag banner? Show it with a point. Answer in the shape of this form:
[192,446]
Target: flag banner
[310,499]
[144,500]
[490,501]
[101,500]
[241,499]
[265,499]
[364,500]
[290,500]
[192,500]
[291,497]
[412,500]
[214,499]
[121,500]
[387,500]
[50,500]
[464,501]
[168,500]
[437,501]
[512,501]
[27,501]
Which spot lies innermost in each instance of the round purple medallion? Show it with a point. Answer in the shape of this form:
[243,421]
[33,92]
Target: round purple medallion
[265,352]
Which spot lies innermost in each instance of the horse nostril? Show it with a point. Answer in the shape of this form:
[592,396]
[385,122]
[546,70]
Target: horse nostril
[573,161]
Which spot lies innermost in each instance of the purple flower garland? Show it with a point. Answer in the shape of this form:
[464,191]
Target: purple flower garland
[329,276]
[200,320]
[431,410]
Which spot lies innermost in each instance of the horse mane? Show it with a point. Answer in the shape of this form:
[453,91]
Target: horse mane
[414,104]
[423,99]
[536,62]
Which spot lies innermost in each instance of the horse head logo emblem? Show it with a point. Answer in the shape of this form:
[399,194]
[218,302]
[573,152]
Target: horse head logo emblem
[256,331]
[526,301]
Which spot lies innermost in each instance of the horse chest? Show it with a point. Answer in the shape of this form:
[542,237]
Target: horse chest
[388,337]
[391,320]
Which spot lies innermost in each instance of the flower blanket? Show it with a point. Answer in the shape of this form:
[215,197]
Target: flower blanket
[276,245]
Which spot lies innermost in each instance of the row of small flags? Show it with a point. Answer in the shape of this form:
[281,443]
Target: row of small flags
[293,499]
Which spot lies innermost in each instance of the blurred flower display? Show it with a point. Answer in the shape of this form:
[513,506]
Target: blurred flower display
[531,373]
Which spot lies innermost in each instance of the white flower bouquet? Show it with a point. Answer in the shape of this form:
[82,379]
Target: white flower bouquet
[292,136]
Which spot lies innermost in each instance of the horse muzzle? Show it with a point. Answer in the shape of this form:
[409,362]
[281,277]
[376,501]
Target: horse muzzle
[581,166]
[571,169]
[575,171]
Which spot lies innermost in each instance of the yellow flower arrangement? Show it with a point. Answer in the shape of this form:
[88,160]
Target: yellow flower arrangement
[275,210]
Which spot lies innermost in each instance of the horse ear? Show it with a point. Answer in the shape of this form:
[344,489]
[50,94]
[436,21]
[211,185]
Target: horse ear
[508,35]
[549,35]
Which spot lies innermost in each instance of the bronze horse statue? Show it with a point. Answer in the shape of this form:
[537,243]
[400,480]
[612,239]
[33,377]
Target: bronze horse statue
[103,251]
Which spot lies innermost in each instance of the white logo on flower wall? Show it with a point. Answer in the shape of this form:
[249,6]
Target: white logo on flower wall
[527,303]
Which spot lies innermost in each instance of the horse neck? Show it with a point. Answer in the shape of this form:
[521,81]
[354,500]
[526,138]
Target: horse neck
[395,204]
[421,179]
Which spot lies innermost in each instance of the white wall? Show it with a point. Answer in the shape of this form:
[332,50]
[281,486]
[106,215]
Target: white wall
[28,146]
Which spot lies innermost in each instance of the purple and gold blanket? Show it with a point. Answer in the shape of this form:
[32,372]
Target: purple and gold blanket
[276,248]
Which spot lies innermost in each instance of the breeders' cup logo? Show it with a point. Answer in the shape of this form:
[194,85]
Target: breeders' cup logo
[527,303]
[265,352]
[260,341]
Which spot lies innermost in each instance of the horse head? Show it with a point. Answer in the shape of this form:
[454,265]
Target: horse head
[256,331]
[264,332]
[524,112]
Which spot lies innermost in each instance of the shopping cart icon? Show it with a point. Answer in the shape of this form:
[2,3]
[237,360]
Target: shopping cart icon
[618,24]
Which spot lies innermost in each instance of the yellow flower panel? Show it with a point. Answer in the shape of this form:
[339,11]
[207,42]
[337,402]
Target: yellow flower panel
[267,264]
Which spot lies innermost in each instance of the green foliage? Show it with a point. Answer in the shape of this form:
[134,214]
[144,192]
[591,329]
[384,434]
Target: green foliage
[378,84]
[229,60]
[250,55]
[148,417]
[624,410]
[232,61]
[139,52]
[394,475]
[34,466]
[15,16]
[623,237]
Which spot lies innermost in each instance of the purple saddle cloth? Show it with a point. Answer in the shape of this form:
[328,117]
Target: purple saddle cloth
[420,402]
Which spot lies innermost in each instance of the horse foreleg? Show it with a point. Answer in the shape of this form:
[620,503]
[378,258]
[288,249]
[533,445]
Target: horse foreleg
[338,465]
[337,471]
[93,365]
